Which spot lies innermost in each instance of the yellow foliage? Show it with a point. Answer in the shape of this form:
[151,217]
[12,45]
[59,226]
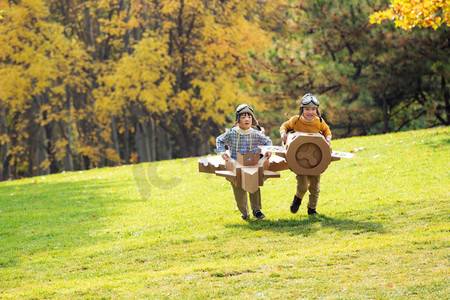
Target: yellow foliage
[134,158]
[4,138]
[112,155]
[141,76]
[408,14]
[60,147]
[106,133]
[170,7]
[36,57]
[91,151]
[180,62]
[45,164]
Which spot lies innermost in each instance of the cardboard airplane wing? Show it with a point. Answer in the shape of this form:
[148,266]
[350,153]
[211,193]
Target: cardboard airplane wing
[303,154]
[248,171]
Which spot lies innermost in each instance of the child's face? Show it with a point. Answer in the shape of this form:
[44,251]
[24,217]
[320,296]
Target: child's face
[309,113]
[245,121]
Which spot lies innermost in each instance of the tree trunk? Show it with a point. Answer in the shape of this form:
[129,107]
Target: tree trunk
[446,99]
[186,144]
[66,129]
[349,125]
[385,116]
[126,139]
[163,146]
[203,148]
[50,147]
[42,155]
[142,145]
[85,162]
[4,149]
[68,158]
[115,138]
[86,127]
[49,128]
[142,134]
[39,142]
[152,140]
[89,39]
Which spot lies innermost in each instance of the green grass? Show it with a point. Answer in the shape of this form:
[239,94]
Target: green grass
[383,232]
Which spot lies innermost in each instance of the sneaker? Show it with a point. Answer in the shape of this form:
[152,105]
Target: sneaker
[312,212]
[295,204]
[245,217]
[258,214]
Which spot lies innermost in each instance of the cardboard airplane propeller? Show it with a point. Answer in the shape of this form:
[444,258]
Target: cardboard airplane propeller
[303,154]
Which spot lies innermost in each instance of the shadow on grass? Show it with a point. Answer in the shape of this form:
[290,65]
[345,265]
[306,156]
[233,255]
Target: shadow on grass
[438,144]
[45,214]
[307,226]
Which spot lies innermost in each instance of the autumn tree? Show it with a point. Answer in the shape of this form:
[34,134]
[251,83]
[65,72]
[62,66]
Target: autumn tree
[369,78]
[208,42]
[38,63]
[408,14]
[183,76]
[96,81]
[93,83]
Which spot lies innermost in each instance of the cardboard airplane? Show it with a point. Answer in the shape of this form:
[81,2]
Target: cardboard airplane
[303,154]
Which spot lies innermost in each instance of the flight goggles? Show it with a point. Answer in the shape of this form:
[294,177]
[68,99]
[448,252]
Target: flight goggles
[308,99]
[244,108]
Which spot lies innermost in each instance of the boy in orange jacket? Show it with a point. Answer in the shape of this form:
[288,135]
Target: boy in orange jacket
[308,121]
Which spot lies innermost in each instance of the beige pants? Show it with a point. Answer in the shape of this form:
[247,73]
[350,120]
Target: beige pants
[311,183]
[241,200]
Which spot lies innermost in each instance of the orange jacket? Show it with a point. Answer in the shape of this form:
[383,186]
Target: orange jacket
[298,124]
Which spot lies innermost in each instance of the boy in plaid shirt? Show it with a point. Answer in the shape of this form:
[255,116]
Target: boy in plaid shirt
[244,139]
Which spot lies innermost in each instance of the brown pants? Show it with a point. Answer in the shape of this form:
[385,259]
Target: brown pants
[311,183]
[241,200]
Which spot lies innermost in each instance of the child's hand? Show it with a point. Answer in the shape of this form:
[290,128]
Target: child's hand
[225,156]
[268,154]
[284,137]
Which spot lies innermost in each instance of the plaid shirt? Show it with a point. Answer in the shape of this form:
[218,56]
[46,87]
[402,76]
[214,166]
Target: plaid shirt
[242,141]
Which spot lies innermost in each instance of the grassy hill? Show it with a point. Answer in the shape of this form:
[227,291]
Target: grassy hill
[163,230]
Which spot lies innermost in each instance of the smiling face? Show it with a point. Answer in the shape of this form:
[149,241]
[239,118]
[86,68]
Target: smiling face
[245,121]
[309,113]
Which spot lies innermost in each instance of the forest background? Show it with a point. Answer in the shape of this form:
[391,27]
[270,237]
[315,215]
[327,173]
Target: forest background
[87,84]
